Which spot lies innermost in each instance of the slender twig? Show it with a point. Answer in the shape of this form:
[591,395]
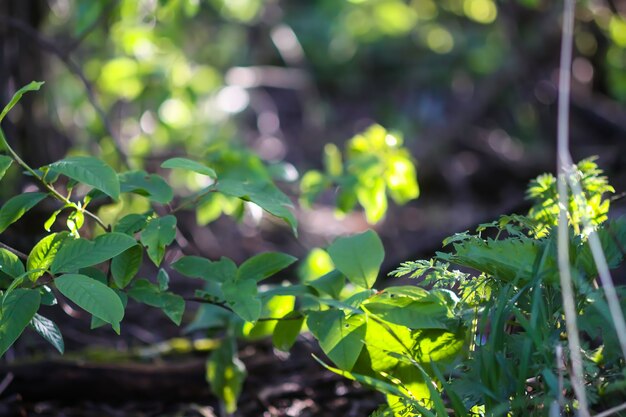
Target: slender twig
[89,29]
[611,411]
[563,162]
[47,186]
[19,254]
[223,305]
[50,46]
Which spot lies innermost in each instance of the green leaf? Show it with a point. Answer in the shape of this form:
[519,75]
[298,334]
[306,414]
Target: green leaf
[16,207]
[125,266]
[225,374]
[18,309]
[358,257]
[93,297]
[287,330]
[189,165]
[49,331]
[273,307]
[163,279]
[79,253]
[172,305]
[264,194]
[149,185]
[264,265]
[90,171]
[197,267]
[32,86]
[131,224]
[5,163]
[410,313]
[43,254]
[331,283]
[10,264]
[241,296]
[340,337]
[159,233]
[373,198]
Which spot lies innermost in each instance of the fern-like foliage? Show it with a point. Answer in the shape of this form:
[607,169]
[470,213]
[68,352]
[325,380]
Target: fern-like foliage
[545,210]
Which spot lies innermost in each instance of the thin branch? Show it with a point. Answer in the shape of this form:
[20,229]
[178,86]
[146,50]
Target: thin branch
[14,251]
[611,411]
[223,305]
[50,46]
[93,26]
[563,162]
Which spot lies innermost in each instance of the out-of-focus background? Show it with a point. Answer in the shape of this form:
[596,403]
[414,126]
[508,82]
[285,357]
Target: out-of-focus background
[468,85]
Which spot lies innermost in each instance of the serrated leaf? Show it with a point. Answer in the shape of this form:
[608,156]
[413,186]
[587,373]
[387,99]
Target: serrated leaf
[18,308]
[10,264]
[340,337]
[5,163]
[225,374]
[172,305]
[287,330]
[241,296]
[90,171]
[32,86]
[264,265]
[80,253]
[264,194]
[16,207]
[152,186]
[358,257]
[159,233]
[197,267]
[49,331]
[93,297]
[43,254]
[125,266]
[189,165]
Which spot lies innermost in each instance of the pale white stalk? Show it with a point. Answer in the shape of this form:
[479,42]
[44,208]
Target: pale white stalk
[564,163]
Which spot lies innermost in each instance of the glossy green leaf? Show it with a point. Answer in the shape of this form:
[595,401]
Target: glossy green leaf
[225,374]
[93,297]
[79,253]
[171,304]
[197,267]
[264,194]
[90,171]
[189,165]
[340,337]
[358,257]
[330,284]
[18,309]
[49,331]
[413,314]
[5,163]
[32,86]
[125,266]
[44,252]
[241,296]
[16,207]
[131,224]
[152,186]
[287,330]
[157,235]
[264,265]
[10,264]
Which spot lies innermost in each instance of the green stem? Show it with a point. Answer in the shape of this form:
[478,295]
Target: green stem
[47,186]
